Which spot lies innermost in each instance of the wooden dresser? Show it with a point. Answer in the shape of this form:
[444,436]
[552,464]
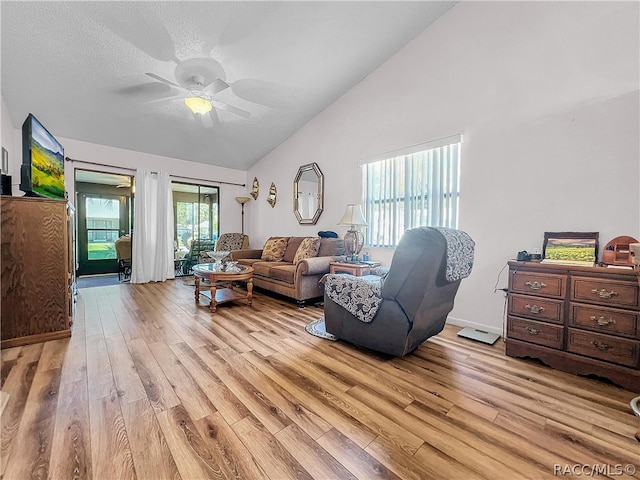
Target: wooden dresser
[38,261]
[581,320]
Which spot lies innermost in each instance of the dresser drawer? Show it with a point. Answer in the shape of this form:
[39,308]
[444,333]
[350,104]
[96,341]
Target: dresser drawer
[604,347]
[546,285]
[535,332]
[604,292]
[605,320]
[536,308]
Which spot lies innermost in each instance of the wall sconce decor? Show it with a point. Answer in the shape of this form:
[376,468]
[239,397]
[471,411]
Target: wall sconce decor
[255,188]
[272,196]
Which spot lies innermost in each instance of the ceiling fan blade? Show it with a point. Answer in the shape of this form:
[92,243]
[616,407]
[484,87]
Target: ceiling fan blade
[163,80]
[215,121]
[197,118]
[269,94]
[217,86]
[231,109]
[207,121]
[164,100]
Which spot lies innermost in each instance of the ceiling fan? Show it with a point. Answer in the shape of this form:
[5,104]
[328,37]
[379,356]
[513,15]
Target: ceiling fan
[200,94]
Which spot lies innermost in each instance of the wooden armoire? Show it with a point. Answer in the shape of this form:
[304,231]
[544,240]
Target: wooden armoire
[38,270]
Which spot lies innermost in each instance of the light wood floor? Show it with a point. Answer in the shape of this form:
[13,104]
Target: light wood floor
[151,386]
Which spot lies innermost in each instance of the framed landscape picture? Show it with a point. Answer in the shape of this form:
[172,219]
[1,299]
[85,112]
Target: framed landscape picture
[573,248]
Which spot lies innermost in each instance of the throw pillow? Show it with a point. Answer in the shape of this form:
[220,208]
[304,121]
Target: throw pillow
[230,241]
[274,249]
[308,248]
[330,247]
[292,248]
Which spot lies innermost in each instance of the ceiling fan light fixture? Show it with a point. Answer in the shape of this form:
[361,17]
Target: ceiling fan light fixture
[198,105]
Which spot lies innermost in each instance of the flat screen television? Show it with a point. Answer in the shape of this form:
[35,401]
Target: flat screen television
[42,169]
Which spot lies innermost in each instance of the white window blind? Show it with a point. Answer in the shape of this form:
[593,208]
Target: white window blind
[412,187]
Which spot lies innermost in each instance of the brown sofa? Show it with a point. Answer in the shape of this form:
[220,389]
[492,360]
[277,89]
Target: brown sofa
[299,281]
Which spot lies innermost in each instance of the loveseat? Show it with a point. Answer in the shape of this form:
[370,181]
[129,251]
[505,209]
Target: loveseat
[292,266]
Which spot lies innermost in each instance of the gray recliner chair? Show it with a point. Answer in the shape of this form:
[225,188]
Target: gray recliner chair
[395,313]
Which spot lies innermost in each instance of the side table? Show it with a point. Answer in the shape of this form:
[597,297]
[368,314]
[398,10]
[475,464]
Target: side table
[356,269]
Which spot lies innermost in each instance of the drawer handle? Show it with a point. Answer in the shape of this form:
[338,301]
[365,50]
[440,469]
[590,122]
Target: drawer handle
[603,293]
[532,331]
[535,285]
[600,345]
[534,309]
[602,322]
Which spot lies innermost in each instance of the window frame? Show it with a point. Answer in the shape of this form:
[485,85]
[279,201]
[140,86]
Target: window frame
[424,178]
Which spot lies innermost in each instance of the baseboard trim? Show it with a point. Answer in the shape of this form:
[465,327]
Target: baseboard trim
[37,338]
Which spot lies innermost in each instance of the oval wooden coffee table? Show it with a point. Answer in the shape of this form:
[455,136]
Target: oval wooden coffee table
[225,293]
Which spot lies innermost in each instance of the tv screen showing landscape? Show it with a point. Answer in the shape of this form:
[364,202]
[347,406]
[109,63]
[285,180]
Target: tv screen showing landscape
[47,162]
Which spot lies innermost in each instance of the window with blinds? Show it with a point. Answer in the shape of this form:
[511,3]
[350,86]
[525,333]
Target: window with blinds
[417,186]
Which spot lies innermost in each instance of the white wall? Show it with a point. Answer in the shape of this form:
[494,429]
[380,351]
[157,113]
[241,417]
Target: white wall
[230,217]
[121,160]
[11,142]
[546,97]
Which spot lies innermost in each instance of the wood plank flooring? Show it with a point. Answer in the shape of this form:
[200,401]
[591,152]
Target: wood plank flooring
[152,386]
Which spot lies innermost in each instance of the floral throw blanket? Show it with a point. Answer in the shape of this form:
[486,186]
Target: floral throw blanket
[459,253]
[360,296]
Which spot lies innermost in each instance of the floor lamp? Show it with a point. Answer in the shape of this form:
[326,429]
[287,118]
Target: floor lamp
[242,201]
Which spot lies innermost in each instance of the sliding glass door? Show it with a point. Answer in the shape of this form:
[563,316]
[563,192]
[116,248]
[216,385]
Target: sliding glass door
[196,215]
[104,220]
[104,214]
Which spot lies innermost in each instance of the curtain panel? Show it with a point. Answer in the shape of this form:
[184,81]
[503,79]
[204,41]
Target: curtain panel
[152,238]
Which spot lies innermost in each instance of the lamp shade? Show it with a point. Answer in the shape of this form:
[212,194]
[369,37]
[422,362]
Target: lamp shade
[353,216]
[198,105]
[242,200]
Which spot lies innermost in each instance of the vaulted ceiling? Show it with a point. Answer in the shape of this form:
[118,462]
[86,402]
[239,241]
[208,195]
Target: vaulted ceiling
[80,68]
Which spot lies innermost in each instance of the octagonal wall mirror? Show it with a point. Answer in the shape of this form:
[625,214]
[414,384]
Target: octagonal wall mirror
[308,194]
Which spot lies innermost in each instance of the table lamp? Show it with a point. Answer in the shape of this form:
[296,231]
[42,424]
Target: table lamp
[353,239]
